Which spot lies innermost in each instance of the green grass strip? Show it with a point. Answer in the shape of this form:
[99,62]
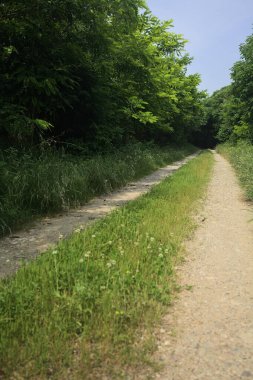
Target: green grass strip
[241,157]
[37,183]
[82,304]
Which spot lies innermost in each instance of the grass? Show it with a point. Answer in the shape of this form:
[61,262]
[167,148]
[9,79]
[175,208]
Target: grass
[34,184]
[81,308]
[241,157]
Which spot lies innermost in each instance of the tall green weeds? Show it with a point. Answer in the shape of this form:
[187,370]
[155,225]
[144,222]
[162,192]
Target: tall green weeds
[77,310]
[39,183]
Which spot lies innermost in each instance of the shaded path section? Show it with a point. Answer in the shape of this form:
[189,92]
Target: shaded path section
[208,333]
[29,243]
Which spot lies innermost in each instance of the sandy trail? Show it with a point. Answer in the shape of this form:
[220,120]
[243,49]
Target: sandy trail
[29,243]
[208,333]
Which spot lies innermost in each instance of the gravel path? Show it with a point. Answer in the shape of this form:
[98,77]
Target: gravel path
[208,333]
[29,243]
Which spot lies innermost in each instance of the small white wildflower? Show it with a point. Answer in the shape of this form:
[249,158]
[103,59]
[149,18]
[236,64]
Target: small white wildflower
[87,255]
[160,255]
[109,264]
[152,239]
[77,231]
[166,251]
[93,236]
[60,236]
[110,242]
[55,252]
[81,261]
[102,287]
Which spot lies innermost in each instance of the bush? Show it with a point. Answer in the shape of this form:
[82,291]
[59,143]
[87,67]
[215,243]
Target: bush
[38,183]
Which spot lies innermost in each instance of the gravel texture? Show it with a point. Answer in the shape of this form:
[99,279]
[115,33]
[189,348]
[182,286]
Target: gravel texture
[29,243]
[208,333]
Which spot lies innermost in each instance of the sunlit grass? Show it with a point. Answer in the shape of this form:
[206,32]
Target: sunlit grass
[79,308]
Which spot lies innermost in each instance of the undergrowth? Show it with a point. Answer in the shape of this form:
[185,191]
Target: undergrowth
[241,157]
[39,183]
[77,311]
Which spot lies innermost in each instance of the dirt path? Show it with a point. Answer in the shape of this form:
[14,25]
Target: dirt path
[29,243]
[208,333]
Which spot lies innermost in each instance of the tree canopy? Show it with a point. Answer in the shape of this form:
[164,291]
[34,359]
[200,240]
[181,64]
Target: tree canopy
[229,111]
[104,71]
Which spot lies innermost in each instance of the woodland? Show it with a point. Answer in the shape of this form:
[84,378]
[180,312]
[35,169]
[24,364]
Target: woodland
[94,95]
[85,84]
[101,73]
[229,111]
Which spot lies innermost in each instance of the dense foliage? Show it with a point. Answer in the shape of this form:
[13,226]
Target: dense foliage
[229,111]
[33,184]
[104,71]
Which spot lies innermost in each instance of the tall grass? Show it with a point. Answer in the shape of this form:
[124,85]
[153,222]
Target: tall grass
[241,157]
[75,312]
[39,183]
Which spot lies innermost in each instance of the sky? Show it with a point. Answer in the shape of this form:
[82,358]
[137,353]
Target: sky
[214,29]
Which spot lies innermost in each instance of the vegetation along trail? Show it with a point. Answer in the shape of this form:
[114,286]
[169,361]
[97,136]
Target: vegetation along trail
[95,95]
[27,244]
[208,334]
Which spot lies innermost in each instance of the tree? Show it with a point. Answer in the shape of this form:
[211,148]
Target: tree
[242,85]
[104,71]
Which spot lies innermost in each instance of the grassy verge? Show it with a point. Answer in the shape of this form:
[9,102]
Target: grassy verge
[77,310]
[33,184]
[241,157]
